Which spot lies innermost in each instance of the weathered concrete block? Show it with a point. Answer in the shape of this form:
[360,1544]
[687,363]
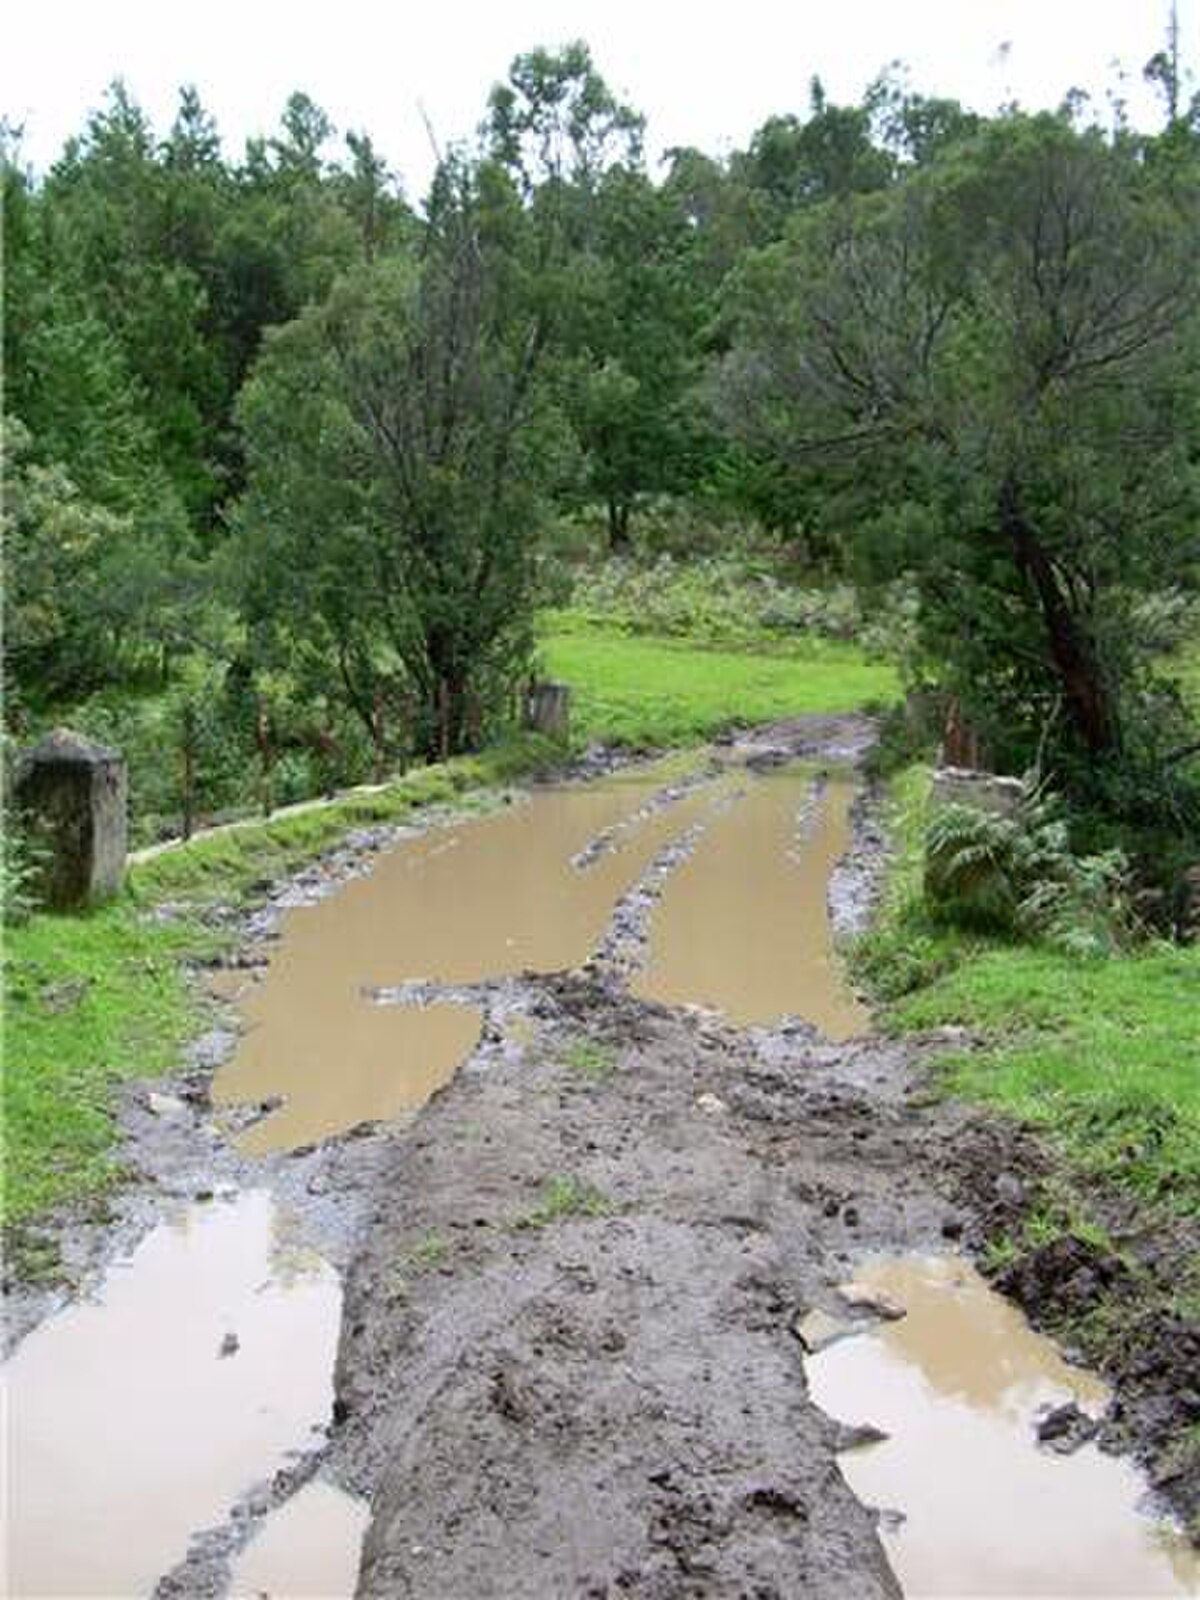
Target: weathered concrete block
[982,791]
[73,794]
[548,709]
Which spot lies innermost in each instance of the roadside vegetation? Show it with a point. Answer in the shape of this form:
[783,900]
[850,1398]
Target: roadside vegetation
[1093,1041]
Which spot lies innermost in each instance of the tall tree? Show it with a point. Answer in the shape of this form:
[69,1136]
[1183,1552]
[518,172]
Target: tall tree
[395,456]
[996,362]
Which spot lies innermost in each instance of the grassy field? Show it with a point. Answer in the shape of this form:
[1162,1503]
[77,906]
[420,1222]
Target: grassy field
[638,691]
[1099,1054]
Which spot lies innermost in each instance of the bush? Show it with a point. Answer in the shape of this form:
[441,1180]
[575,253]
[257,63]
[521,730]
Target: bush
[20,864]
[1017,875]
[720,599]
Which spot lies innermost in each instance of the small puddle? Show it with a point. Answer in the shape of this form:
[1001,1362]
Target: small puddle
[128,1428]
[478,900]
[743,924]
[958,1384]
[309,1547]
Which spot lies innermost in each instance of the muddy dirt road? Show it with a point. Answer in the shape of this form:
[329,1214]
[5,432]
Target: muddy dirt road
[600,1245]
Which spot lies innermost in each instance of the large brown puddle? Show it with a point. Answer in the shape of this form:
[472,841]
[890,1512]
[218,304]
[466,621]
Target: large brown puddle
[479,900]
[743,927]
[743,924]
[139,1417]
[958,1385]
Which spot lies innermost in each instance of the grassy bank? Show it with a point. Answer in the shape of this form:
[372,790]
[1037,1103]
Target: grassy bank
[644,691]
[1098,1054]
[95,999]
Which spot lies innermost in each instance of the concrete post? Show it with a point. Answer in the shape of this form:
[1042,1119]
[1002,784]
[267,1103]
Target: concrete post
[73,795]
[548,709]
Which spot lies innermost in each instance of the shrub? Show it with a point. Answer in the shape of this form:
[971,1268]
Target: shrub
[1017,875]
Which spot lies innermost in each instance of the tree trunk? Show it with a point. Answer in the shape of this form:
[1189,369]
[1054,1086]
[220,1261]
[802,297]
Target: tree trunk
[1084,693]
[189,771]
[618,526]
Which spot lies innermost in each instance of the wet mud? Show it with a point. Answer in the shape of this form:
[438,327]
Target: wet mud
[580,1284]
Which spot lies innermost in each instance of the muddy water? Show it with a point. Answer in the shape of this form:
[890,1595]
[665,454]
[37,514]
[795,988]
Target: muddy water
[309,1547]
[482,899]
[958,1384]
[128,1427]
[743,924]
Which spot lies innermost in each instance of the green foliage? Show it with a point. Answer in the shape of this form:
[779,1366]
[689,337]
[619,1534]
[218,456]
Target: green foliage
[90,1000]
[724,600]
[651,692]
[1096,1053]
[20,866]
[1017,875]
[988,365]
[396,446]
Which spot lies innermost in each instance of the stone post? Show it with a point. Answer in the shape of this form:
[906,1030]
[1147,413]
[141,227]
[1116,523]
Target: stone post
[548,709]
[982,791]
[73,796]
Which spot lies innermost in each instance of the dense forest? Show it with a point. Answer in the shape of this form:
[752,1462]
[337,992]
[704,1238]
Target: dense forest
[292,461]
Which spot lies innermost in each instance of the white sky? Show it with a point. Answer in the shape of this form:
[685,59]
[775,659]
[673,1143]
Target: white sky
[706,77]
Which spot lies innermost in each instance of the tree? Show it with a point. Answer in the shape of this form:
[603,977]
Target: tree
[396,449]
[996,364]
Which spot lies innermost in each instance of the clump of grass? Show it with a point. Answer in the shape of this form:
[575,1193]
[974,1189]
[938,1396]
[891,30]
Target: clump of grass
[564,1196]
[590,1059]
[429,1251]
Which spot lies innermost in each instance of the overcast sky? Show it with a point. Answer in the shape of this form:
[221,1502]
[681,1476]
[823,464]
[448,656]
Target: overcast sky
[706,76]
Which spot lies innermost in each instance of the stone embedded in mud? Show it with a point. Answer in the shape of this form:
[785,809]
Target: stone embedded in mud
[1064,1428]
[817,1330]
[165,1105]
[873,1301]
[711,1104]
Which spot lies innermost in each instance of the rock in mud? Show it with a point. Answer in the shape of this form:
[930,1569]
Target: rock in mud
[872,1302]
[1065,1428]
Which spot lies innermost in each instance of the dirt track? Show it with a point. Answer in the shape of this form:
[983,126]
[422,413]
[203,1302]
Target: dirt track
[615,1403]
[569,1360]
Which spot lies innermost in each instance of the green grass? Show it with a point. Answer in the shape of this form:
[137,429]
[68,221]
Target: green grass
[563,1196]
[92,1000]
[1099,1054]
[638,691]
[590,1059]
